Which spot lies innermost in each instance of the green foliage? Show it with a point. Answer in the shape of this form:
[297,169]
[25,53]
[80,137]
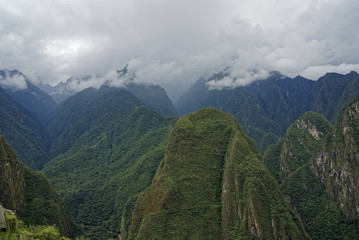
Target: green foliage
[302,184]
[23,132]
[42,205]
[302,140]
[17,227]
[112,158]
[307,194]
[30,193]
[212,170]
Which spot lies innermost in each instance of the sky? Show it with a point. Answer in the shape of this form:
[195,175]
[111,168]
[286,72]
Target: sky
[175,42]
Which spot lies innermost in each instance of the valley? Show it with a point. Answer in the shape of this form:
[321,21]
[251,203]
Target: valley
[275,159]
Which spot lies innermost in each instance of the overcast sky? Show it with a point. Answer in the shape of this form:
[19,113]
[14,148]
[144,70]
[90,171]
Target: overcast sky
[174,42]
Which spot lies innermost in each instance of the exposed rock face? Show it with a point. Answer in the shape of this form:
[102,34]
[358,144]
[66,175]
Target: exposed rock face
[212,184]
[338,163]
[301,142]
[30,194]
[2,219]
[11,177]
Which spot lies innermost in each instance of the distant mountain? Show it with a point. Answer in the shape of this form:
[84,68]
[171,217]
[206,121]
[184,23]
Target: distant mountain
[153,96]
[30,193]
[266,108]
[316,165]
[331,92]
[212,184]
[23,131]
[31,97]
[107,145]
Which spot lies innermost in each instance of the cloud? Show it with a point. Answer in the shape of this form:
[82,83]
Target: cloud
[314,72]
[14,82]
[173,43]
[237,78]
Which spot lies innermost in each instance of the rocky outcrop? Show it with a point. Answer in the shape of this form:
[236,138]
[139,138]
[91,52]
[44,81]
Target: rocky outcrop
[11,177]
[337,164]
[2,219]
[301,142]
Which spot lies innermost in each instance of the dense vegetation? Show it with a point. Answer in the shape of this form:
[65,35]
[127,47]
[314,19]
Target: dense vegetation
[212,184]
[110,158]
[30,193]
[12,229]
[303,163]
[104,147]
[23,132]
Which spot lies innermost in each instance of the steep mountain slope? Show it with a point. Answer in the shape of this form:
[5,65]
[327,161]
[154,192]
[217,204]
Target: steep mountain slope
[30,193]
[30,97]
[23,132]
[266,108]
[107,148]
[301,141]
[338,162]
[303,160]
[212,184]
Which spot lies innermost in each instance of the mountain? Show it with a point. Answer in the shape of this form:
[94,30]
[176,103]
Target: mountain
[337,164]
[153,96]
[23,132]
[301,141]
[106,148]
[212,184]
[30,193]
[30,96]
[266,108]
[329,90]
[317,168]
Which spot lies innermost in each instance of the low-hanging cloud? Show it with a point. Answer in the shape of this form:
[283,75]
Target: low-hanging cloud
[14,82]
[173,43]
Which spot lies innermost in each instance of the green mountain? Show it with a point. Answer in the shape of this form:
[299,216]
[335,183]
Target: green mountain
[266,108]
[212,184]
[338,162]
[107,146]
[316,166]
[30,193]
[301,141]
[23,132]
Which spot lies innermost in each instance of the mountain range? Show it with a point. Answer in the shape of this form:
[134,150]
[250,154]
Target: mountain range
[121,162]
[266,108]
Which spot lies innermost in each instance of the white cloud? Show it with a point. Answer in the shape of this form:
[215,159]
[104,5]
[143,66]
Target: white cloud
[15,82]
[173,43]
[314,72]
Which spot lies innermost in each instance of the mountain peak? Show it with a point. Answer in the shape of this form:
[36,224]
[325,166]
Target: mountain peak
[212,182]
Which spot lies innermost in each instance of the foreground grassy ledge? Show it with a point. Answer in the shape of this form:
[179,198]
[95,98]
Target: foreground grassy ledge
[212,184]
[11,229]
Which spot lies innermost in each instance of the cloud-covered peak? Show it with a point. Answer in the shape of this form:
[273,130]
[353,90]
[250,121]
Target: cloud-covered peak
[173,43]
[12,80]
